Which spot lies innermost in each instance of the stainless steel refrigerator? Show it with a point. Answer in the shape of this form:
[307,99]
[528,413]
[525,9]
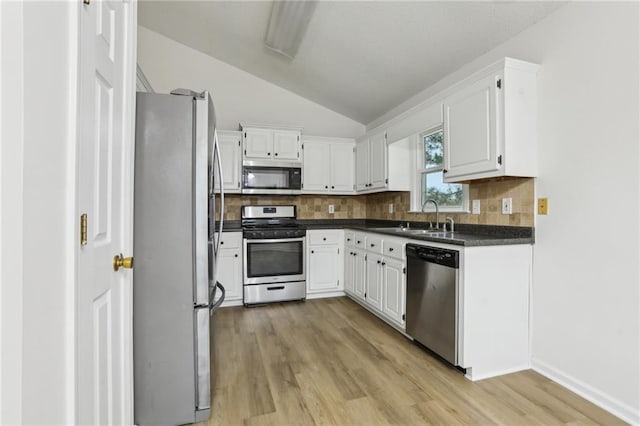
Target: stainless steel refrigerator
[174,288]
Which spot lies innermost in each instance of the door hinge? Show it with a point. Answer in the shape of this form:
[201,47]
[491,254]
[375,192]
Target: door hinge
[245,135]
[302,146]
[83,229]
[365,295]
[499,83]
[403,317]
[386,181]
[365,257]
[245,152]
[338,250]
[298,138]
[404,270]
[385,136]
[238,185]
[298,154]
[499,159]
[238,143]
[338,283]
[87,2]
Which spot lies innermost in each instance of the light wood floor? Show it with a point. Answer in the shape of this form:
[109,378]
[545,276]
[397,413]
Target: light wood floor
[329,361]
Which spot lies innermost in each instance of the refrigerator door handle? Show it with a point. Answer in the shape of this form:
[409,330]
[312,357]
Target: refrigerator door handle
[215,306]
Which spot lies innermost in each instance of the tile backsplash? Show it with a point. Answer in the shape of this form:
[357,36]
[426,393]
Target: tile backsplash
[376,206]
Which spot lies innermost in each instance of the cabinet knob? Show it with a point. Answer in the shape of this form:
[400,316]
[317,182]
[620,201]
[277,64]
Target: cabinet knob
[324,238]
[326,187]
[221,242]
[333,187]
[390,248]
[373,245]
[268,153]
[358,242]
[444,171]
[378,262]
[348,239]
[236,255]
[383,263]
[276,154]
[312,251]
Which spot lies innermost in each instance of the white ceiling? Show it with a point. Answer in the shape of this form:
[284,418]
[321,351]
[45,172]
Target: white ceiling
[358,58]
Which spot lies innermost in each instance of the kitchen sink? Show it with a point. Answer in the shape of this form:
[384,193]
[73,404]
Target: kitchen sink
[412,231]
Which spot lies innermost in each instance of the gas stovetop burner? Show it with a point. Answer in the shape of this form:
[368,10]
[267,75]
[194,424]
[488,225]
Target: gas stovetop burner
[270,222]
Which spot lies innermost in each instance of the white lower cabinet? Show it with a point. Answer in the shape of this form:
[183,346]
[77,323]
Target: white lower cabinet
[324,261]
[230,267]
[394,290]
[375,274]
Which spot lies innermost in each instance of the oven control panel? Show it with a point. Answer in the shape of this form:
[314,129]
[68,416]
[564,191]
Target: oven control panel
[268,234]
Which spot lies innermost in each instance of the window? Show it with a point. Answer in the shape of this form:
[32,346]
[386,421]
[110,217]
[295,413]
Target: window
[431,186]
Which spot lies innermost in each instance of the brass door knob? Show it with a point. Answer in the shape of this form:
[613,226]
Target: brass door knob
[122,262]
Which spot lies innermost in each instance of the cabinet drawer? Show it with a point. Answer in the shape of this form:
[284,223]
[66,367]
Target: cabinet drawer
[359,240]
[350,238]
[394,248]
[320,238]
[231,240]
[374,244]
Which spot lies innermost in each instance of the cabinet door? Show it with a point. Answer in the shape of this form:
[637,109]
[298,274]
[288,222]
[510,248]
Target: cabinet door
[342,167]
[230,272]
[378,161]
[231,161]
[349,271]
[362,165]
[286,145]
[258,143]
[359,274]
[323,269]
[374,281]
[470,138]
[316,163]
[394,290]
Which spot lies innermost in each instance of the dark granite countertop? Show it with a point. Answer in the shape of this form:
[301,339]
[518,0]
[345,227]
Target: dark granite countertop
[464,235]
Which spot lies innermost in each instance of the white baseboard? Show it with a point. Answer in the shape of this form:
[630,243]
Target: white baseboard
[229,303]
[588,392]
[325,295]
[487,375]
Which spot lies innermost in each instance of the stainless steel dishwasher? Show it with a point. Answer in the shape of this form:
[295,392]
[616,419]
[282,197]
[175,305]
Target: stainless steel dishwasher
[432,294]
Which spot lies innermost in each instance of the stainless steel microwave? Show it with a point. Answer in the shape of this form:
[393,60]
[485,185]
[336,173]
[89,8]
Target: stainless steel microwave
[280,178]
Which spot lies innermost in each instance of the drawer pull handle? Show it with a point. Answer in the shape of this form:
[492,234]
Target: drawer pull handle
[281,287]
[373,245]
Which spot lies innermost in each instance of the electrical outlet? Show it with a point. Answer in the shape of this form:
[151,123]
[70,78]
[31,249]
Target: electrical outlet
[506,206]
[543,206]
[475,207]
[332,209]
[390,207]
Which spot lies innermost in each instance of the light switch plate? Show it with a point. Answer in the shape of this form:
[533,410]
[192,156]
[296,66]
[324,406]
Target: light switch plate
[390,207]
[475,207]
[506,205]
[332,209]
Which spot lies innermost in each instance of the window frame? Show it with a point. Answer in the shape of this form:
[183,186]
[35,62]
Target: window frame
[417,197]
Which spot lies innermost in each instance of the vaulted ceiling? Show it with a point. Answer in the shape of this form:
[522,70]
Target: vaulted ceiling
[358,58]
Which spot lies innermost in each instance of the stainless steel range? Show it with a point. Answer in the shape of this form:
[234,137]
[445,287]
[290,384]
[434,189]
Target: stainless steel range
[274,255]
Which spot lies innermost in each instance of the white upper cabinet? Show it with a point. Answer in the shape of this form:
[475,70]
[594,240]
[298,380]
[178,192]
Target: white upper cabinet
[231,159]
[371,162]
[490,124]
[328,165]
[271,143]
[286,145]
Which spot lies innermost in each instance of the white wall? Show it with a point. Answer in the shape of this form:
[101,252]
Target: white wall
[11,183]
[238,95]
[586,291]
[36,278]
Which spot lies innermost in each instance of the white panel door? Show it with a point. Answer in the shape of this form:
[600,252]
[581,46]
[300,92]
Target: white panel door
[378,161]
[323,269]
[394,290]
[316,163]
[374,281]
[359,274]
[349,271]
[258,143]
[231,161]
[286,145]
[470,138]
[105,188]
[362,165]
[230,272]
[342,167]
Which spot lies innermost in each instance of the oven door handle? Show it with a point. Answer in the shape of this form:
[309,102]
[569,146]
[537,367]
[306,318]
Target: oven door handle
[275,240]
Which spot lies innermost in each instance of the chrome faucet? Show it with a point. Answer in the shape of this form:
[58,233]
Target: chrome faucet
[437,211]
